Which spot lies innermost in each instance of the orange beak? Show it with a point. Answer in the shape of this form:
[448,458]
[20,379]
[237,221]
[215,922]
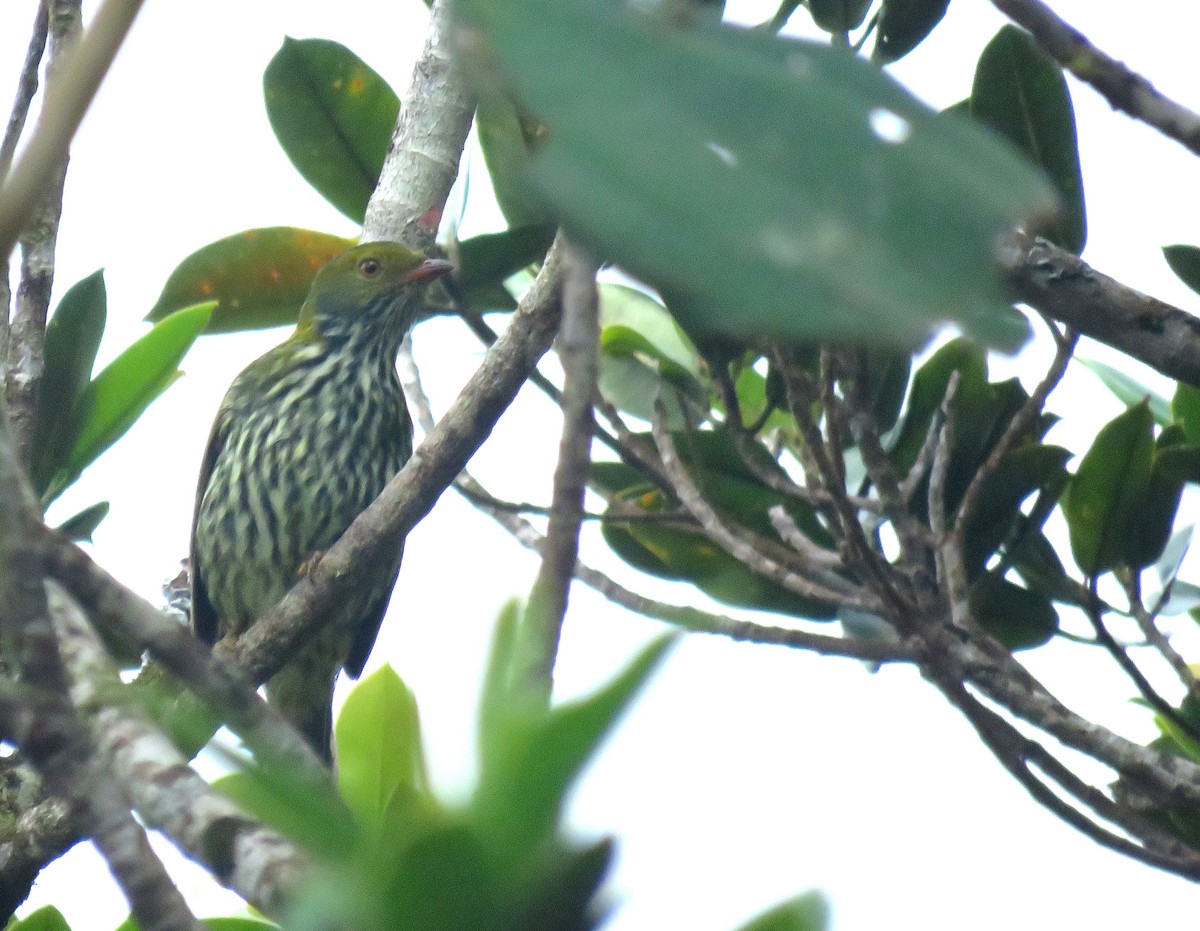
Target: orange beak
[429,269]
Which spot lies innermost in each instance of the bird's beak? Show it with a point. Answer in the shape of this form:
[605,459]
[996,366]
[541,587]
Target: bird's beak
[429,269]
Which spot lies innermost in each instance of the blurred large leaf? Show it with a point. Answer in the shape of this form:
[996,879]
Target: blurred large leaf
[378,740]
[530,757]
[259,278]
[334,118]
[506,139]
[1020,92]
[73,335]
[1109,488]
[904,24]
[116,398]
[862,215]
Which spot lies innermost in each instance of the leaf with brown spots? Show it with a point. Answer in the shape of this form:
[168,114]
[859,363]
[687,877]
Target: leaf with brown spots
[259,278]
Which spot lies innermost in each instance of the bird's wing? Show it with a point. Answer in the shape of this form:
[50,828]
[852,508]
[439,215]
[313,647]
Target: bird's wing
[204,615]
[368,627]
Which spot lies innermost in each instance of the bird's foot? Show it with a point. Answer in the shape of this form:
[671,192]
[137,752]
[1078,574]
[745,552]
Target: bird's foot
[309,565]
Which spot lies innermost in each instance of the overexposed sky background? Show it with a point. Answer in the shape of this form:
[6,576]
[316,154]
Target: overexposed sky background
[747,773]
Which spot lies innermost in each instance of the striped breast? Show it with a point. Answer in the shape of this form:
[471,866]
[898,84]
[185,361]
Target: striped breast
[304,453]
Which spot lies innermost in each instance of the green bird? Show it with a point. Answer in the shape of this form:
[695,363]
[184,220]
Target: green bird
[306,437]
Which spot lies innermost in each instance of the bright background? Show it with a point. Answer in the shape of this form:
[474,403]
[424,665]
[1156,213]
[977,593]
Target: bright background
[747,773]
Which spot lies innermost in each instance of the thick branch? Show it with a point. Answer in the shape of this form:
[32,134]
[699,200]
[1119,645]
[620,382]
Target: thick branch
[1067,289]
[427,145]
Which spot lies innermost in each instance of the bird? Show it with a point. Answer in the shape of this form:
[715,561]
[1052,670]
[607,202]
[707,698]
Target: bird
[305,439]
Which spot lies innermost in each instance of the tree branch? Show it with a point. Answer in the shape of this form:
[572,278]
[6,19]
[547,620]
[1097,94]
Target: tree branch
[578,348]
[1125,90]
[1063,287]
[427,145]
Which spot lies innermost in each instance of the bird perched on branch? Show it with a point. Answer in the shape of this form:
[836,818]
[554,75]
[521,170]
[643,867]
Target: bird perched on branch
[306,437]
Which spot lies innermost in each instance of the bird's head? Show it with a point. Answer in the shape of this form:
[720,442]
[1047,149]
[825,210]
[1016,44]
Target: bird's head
[372,291]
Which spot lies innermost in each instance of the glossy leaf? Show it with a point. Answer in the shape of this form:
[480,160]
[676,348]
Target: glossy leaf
[1128,390]
[507,139]
[1109,488]
[752,225]
[929,387]
[838,15]
[1020,92]
[1185,263]
[73,336]
[903,25]
[488,259]
[81,527]
[1185,410]
[378,740]
[1150,529]
[1017,617]
[634,387]
[116,398]
[885,376]
[1019,474]
[807,912]
[624,309]
[259,278]
[333,116]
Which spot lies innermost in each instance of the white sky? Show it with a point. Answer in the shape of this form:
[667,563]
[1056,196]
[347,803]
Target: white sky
[747,773]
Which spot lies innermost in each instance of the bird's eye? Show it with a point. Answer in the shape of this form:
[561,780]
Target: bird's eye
[369,267]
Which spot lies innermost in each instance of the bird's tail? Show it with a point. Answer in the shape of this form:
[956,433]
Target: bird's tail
[303,693]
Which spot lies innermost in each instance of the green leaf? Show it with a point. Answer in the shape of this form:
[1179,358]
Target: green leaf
[1185,263]
[259,278]
[73,335]
[46,918]
[1018,474]
[216,924]
[312,815]
[506,139]
[1175,463]
[81,527]
[333,116]
[116,398]
[1017,617]
[534,757]
[378,740]
[903,25]
[1106,493]
[838,15]
[488,259]
[624,309]
[1129,390]
[634,387]
[754,225]
[885,375]
[807,912]
[1185,410]
[1020,92]
[929,390]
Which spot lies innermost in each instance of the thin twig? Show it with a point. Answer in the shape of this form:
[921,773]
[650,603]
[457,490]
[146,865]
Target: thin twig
[579,349]
[1147,622]
[27,86]
[67,98]
[808,581]
[1019,427]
